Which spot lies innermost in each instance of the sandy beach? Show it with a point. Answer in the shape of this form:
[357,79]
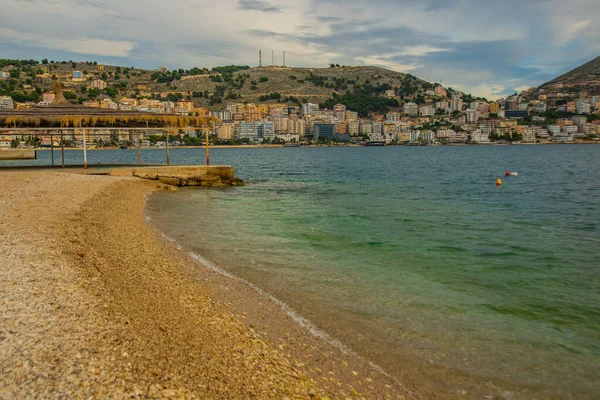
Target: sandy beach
[95,303]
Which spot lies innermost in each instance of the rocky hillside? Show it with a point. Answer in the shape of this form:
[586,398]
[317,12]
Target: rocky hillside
[585,76]
[217,86]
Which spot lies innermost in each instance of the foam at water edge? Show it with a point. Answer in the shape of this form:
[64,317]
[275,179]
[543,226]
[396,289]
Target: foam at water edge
[291,313]
[306,324]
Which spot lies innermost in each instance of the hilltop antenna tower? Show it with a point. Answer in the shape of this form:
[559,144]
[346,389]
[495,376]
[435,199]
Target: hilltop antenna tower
[260,58]
[273,57]
[284,58]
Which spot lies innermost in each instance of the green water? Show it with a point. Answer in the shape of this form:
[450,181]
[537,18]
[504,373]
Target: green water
[413,257]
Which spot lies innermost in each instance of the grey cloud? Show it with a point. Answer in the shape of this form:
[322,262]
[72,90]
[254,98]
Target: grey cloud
[258,5]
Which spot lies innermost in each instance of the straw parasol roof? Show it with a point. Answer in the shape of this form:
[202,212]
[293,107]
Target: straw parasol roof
[74,115]
[61,113]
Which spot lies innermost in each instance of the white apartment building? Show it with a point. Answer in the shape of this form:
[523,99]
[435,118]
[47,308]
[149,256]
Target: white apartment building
[583,107]
[426,111]
[471,116]
[6,103]
[570,129]
[529,135]
[288,137]
[309,108]
[411,109]
[98,84]
[477,136]
[554,130]
[456,104]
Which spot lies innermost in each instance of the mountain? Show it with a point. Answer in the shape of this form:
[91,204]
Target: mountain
[587,75]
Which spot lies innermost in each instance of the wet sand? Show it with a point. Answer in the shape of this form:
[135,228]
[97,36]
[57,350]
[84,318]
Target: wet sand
[95,303]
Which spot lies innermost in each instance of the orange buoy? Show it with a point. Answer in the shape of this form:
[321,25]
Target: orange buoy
[507,173]
[498,182]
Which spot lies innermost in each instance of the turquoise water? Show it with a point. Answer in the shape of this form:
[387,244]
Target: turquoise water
[413,257]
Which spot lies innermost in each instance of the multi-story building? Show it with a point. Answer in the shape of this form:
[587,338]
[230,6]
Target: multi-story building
[6,103]
[554,130]
[365,127]
[471,116]
[494,107]
[415,136]
[108,103]
[77,75]
[426,110]
[477,136]
[281,124]
[323,132]
[188,105]
[393,117]
[529,135]
[341,127]
[266,130]
[309,108]
[288,137]
[223,115]
[570,129]
[247,131]
[98,84]
[339,111]
[456,104]
[226,131]
[444,134]
[411,109]
[427,136]
[48,97]
[583,107]
[91,103]
[295,127]
[351,116]
[353,128]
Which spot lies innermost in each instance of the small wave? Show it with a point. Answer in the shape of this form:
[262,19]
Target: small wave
[303,322]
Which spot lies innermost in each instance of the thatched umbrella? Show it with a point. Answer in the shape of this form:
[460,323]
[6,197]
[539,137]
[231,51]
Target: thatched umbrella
[76,116]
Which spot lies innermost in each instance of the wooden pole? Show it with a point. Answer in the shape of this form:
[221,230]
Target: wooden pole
[84,148]
[207,153]
[52,147]
[62,148]
[167,147]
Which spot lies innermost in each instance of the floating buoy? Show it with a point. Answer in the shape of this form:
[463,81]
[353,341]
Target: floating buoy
[498,182]
[507,173]
[514,174]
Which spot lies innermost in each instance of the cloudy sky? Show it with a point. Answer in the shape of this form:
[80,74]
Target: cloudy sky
[487,48]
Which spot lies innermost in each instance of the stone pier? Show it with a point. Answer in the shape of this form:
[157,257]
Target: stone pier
[18,154]
[184,175]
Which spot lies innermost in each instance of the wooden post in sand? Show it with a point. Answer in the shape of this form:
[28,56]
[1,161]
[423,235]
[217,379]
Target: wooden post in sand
[207,153]
[167,147]
[51,147]
[62,147]
[84,148]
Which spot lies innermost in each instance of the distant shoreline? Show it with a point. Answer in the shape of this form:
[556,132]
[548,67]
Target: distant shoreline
[277,146]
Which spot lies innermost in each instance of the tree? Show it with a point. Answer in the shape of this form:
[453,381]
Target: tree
[263,79]
[45,61]
[74,65]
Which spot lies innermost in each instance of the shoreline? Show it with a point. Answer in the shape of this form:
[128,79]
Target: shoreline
[153,322]
[277,146]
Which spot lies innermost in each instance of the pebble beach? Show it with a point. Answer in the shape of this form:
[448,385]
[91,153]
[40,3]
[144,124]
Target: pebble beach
[94,303]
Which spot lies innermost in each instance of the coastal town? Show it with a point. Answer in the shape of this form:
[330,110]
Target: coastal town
[434,116]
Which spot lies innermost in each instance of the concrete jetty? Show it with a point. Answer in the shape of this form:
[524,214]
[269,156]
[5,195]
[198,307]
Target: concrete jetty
[18,154]
[184,175]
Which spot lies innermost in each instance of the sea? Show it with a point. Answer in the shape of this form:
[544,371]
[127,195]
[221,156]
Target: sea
[413,257]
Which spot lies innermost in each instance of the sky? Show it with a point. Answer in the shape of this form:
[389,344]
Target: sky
[489,49]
